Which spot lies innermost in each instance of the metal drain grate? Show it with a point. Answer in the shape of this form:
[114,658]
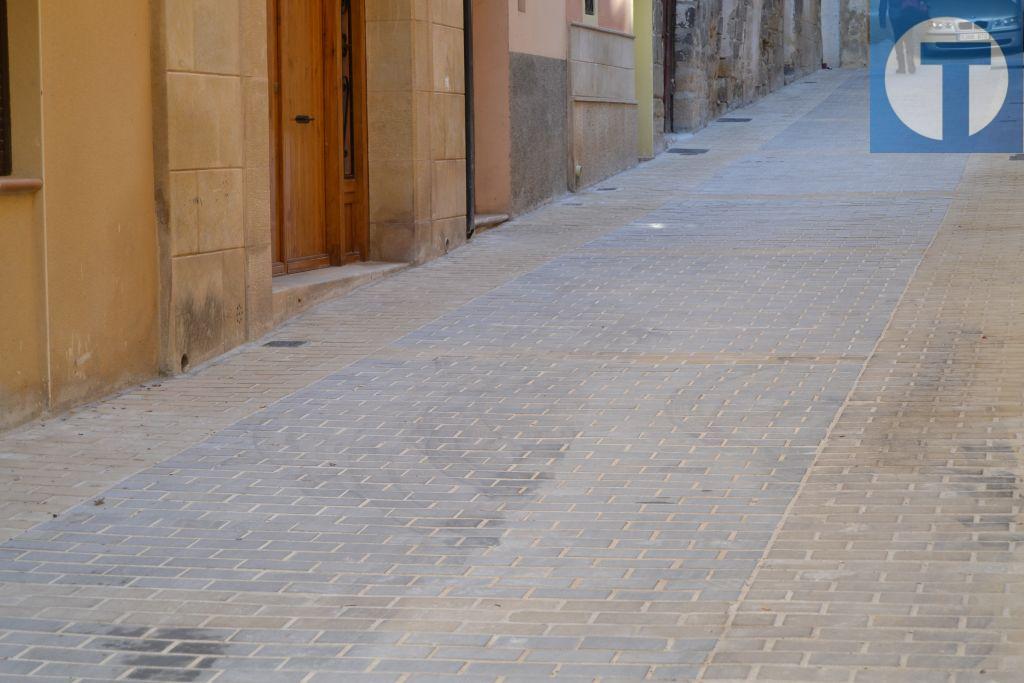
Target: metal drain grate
[285,344]
[733,119]
[1017,157]
[687,151]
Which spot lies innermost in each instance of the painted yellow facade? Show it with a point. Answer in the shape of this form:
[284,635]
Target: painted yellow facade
[79,276]
[643,28]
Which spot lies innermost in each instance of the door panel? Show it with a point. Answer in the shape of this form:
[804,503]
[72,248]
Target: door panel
[353,130]
[349,140]
[303,182]
[318,110]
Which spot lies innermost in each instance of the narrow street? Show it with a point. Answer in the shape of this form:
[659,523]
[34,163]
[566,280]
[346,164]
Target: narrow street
[752,413]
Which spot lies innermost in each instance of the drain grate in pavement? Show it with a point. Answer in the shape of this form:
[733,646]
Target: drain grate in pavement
[687,151]
[607,189]
[1017,157]
[733,119]
[285,344]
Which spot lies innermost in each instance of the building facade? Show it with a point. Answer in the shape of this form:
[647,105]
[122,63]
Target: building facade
[177,177]
[186,174]
[558,108]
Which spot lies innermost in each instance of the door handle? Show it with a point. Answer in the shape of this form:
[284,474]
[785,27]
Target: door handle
[304,118]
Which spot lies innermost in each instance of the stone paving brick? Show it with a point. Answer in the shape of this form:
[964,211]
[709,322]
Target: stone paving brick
[666,432]
[900,554]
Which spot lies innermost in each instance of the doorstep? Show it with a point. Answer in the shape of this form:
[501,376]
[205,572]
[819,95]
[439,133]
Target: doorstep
[295,293]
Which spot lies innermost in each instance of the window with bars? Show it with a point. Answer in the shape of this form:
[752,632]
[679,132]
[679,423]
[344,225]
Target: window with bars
[5,96]
[588,7]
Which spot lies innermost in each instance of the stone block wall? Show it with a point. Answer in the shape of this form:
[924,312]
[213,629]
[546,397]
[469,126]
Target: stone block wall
[212,148]
[731,52]
[854,31]
[212,143]
[416,98]
[658,65]
[803,38]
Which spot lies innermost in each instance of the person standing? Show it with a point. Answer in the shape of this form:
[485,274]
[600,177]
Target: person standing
[904,16]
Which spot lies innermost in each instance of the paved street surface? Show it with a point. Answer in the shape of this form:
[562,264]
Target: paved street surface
[750,414]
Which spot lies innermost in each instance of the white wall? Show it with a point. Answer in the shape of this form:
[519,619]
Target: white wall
[830,40]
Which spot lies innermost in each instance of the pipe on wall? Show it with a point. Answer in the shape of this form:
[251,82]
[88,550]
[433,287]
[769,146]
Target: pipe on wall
[467,48]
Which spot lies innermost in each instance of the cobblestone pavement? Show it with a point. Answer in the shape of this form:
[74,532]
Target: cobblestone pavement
[753,414]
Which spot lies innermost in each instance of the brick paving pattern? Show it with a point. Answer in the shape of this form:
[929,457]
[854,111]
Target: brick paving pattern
[748,415]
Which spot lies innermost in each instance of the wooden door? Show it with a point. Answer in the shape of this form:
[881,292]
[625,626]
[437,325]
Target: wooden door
[318,119]
[348,50]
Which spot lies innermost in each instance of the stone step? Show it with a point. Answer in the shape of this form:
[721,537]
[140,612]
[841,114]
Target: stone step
[295,293]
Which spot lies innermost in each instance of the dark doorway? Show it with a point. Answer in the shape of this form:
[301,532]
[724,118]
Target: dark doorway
[669,37]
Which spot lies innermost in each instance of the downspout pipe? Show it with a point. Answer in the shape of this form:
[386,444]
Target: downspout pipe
[467,38]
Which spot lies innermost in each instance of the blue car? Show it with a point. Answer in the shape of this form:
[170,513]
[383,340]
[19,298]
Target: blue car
[971,25]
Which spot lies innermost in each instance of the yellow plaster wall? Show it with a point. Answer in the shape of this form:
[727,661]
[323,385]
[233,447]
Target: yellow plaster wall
[23,372]
[80,269]
[98,196]
[643,45]
[23,333]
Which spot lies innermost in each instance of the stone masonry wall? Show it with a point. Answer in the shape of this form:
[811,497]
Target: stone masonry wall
[658,65]
[731,52]
[803,49]
[212,160]
[853,31]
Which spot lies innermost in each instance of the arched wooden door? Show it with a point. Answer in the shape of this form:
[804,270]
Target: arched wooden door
[318,122]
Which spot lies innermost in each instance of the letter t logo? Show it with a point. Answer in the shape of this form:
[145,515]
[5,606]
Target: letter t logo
[956,88]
